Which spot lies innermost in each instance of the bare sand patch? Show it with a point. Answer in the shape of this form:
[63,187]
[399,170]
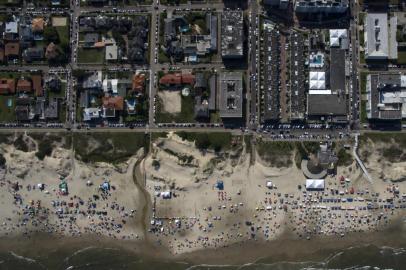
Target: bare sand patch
[171,101]
[59,21]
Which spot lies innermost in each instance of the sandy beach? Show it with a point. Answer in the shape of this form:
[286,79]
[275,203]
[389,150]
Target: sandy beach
[169,203]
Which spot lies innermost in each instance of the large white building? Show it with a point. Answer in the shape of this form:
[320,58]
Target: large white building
[321,6]
[380,37]
[386,96]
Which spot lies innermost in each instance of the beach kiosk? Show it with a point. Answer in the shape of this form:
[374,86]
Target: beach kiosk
[166,194]
[220,185]
[315,184]
[63,188]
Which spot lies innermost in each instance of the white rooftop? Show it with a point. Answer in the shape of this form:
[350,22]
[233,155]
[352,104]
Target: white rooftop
[336,35]
[380,40]
[90,113]
[317,80]
[12,27]
[110,85]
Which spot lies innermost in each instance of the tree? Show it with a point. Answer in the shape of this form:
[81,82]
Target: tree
[202,141]
[156,164]
[2,161]
[51,35]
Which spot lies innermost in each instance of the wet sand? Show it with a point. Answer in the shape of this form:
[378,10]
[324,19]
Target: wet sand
[286,248]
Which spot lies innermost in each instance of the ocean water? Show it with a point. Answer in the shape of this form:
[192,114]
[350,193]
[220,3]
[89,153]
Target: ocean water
[92,258]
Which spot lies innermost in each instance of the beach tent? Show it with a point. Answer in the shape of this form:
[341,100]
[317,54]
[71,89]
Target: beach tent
[220,185]
[315,184]
[269,184]
[63,188]
[166,194]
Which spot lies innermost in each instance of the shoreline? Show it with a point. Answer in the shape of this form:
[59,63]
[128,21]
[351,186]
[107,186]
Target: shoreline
[283,249]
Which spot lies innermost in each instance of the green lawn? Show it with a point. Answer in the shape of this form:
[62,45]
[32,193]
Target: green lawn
[362,57]
[63,33]
[62,113]
[162,58]
[93,56]
[7,114]
[401,57]
[364,118]
[60,94]
[217,141]
[363,82]
[111,147]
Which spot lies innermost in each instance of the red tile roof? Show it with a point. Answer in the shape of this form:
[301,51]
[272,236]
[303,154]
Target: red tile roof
[138,82]
[7,86]
[177,78]
[188,79]
[12,48]
[116,103]
[37,85]
[38,24]
[1,54]
[24,85]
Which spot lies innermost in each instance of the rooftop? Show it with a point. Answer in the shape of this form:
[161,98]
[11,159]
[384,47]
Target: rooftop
[232,34]
[231,95]
[326,105]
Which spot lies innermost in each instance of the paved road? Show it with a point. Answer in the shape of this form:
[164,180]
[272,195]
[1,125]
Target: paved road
[252,109]
[354,82]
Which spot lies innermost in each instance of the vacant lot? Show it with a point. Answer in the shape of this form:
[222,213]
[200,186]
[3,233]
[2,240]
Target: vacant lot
[93,56]
[59,21]
[171,101]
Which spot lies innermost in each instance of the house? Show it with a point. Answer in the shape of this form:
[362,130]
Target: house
[37,85]
[22,113]
[177,79]
[24,85]
[11,31]
[138,83]
[51,51]
[93,82]
[131,106]
[37,25]
[26,34]
[51,109]
[111,105]
[23,108]
[12,50]
[53,84]
[201,82]
[7,86]
[91,114]
[110,86]
[11,27]
[201,108]
[90,39]
[33,54]
[1,54]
